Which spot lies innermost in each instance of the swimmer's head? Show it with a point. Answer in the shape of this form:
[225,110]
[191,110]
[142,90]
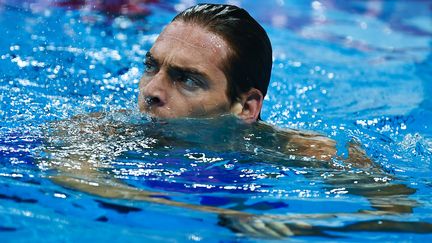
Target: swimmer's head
[211,59]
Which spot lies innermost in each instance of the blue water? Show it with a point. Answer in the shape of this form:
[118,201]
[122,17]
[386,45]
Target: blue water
[351,70]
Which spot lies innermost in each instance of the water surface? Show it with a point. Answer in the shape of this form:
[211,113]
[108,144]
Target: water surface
[352,71]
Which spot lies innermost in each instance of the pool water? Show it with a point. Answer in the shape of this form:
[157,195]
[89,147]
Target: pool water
[351,70]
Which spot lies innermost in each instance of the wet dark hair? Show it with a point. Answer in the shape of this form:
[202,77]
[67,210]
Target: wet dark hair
[250,60]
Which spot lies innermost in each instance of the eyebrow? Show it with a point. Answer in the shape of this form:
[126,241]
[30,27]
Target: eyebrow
[149,57]
[187,70]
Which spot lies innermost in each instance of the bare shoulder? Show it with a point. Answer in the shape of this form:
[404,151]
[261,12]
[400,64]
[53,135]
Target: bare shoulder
[317,146]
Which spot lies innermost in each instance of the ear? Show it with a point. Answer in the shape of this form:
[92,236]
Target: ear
[249,106]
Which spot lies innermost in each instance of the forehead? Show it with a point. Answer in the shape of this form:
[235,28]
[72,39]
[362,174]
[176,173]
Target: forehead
[192,44]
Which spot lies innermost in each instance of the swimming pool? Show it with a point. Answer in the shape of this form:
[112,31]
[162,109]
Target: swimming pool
[356,70]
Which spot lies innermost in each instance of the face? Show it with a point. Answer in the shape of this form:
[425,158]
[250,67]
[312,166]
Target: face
[183,74]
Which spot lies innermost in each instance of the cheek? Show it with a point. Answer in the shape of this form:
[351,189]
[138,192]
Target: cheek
[142,83]
[212,104]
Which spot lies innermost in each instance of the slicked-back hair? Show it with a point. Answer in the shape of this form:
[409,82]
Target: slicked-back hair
[249,62]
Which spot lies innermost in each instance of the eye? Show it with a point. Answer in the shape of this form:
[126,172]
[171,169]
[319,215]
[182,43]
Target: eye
[150,67]
[189,83]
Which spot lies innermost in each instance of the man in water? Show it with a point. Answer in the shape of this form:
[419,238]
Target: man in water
[210,60]
[213,60]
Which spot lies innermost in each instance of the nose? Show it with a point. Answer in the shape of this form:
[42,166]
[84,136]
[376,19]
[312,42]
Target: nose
[154,91]
[152,101]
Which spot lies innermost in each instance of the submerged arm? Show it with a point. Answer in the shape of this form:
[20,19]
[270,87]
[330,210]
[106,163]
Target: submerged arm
[381,193]
[85,173]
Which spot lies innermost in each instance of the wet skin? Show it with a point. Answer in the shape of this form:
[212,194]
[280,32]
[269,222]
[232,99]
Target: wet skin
[184,74]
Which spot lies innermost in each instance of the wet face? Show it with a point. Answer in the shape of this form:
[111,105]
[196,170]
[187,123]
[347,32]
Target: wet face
[183,75]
